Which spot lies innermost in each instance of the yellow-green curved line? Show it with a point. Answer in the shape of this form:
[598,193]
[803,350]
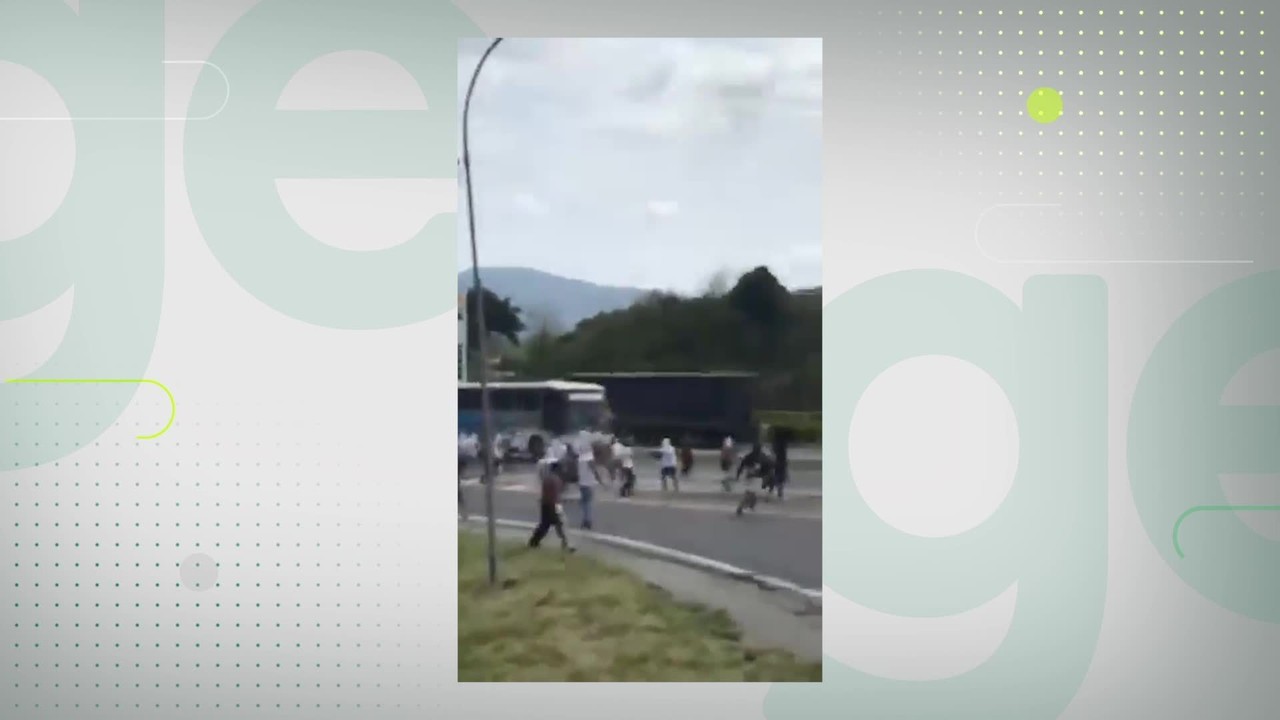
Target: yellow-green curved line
[173,405]
[1215,508]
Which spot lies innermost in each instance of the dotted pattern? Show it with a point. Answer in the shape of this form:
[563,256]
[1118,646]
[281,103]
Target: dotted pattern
[1044,105]
[1175,97]
[215,569]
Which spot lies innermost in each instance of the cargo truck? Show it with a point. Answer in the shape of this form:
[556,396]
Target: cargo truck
[693,409]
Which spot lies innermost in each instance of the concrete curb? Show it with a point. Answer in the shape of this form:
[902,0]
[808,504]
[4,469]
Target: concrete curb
[810,596]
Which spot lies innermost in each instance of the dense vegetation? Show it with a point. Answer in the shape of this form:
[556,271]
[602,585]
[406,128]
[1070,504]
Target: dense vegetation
[757,325]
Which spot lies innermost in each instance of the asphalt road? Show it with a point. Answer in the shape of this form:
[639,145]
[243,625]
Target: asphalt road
[779,545]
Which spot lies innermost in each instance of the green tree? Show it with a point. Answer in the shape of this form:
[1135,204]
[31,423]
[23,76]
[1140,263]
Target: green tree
[501,318]
[760,298]
[763,304]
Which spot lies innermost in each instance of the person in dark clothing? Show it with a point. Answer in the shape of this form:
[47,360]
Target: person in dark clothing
[568,464]
[549,515]
[755,463]
[781,439]
[750,460]
[686,460]
[762,465]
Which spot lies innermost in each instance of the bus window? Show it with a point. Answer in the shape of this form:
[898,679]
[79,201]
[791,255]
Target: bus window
[588,414]
[468,399]
[529,401]
[502,400]
[555,413]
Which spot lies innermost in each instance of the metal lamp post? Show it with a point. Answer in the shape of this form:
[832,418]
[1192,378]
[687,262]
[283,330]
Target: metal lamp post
[481,340]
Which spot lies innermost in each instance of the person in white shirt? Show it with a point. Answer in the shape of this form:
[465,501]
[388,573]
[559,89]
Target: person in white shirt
[498,452]
[667,455]
[588,481]
[468,451]
[727,456]
[622,455]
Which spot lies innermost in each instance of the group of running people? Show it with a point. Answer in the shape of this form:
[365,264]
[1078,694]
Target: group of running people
[589,464]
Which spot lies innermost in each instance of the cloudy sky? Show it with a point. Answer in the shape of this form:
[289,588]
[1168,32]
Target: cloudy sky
[653,163]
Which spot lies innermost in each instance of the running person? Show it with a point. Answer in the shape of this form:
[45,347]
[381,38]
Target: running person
[726,462]
[686,460]
[667,455]
[781,439]
[549,511]
[758,465]
[588,482]
[626,466]
[750,461]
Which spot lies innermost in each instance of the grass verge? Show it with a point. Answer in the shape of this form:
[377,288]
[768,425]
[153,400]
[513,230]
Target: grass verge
[571,618]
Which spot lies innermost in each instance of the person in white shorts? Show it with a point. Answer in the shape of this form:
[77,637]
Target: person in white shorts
[667,455]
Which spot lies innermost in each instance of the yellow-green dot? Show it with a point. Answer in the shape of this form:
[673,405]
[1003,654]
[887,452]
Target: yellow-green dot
[1044,105]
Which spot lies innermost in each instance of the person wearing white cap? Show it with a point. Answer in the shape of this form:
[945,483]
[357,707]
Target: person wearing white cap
[667,455]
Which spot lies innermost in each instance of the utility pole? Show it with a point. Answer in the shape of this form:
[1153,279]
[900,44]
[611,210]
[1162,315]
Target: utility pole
[481,339]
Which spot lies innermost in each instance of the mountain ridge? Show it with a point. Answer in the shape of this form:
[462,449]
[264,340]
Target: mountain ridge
[547,298]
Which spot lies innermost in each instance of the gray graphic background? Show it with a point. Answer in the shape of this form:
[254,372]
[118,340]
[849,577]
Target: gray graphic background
[308,461]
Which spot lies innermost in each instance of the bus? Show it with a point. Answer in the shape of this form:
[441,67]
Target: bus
[529,415]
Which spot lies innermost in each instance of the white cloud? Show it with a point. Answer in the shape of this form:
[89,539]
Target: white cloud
[530,204]
[609,141]
[663,88]
[663,208]
[799,265]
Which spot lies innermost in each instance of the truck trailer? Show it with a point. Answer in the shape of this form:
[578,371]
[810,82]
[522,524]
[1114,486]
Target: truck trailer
[693,409]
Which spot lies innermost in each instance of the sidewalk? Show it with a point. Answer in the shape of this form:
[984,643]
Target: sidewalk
[768,618]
